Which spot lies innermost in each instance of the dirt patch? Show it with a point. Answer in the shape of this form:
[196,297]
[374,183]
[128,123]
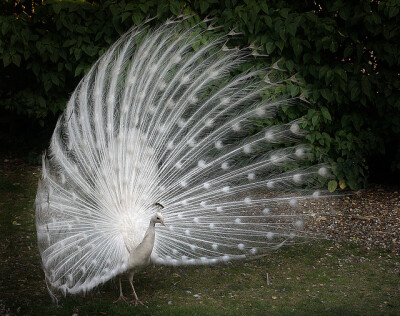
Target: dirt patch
[370,218]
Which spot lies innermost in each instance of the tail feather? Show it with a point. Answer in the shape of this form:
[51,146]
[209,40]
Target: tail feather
[159,119]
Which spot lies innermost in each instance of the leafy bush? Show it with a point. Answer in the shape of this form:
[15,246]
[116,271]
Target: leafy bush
[343,56]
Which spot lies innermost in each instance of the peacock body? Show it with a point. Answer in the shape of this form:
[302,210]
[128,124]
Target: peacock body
[160,119]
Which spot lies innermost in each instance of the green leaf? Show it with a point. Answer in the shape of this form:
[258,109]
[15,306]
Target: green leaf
[78,70]
[137,18]
[144,7]
[280,44]
[27,53]
[264,6]
[55,79]
[289,65]
[175,7]
[204,6]
[69,42]
[90,50]
[393,11]
[297,48]
[268,21]
[355,92]
[284,12]
[125,15]
[292,28]
[6,60]
[36,69]
[332,185]
[366,86]
[315,119]
[342,73]
[41,101]
[326,94]
[4,28]
[352,184]
[57,8]
[47,85]
[325,113]
[347,51]
[77,53]
[129,7]
[294,90]
[16,59]
[344,13]
[333,46]
[270,47]
[328,76]
[322,71]
[68,66]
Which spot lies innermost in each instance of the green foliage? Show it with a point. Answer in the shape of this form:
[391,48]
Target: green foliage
[46,52]
[343,57]
[332,185]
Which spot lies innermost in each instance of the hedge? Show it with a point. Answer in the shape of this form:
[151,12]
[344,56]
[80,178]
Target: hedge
[343,56]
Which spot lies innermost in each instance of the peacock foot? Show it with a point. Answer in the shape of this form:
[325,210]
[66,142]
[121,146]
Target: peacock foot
[122,298]
[137,302]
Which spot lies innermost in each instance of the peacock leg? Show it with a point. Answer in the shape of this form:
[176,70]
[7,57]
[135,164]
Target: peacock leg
[137,301]
[121,296]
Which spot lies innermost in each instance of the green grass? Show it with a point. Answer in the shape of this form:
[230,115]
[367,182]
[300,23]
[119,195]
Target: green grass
[320,278]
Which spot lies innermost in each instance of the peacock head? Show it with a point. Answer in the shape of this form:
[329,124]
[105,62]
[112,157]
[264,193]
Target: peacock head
[158,217]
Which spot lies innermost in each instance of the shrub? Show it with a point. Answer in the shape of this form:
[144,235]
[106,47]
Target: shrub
[342,56]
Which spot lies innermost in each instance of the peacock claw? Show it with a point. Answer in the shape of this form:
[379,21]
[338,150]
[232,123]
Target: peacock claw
[122,298]
[137,302]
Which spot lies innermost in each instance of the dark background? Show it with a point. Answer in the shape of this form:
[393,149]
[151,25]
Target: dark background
[344,55]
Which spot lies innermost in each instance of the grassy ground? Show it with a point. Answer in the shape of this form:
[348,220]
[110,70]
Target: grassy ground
[322,278]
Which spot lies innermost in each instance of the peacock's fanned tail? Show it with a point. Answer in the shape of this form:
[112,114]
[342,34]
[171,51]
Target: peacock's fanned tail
[160,119]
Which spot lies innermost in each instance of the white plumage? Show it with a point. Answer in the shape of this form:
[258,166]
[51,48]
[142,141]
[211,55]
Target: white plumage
[160,119]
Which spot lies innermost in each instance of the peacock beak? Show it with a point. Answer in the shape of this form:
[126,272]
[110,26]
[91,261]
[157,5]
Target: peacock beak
[162,222]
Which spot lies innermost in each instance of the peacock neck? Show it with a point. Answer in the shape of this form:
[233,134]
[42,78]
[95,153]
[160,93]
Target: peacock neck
[150,233]
[140,256]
